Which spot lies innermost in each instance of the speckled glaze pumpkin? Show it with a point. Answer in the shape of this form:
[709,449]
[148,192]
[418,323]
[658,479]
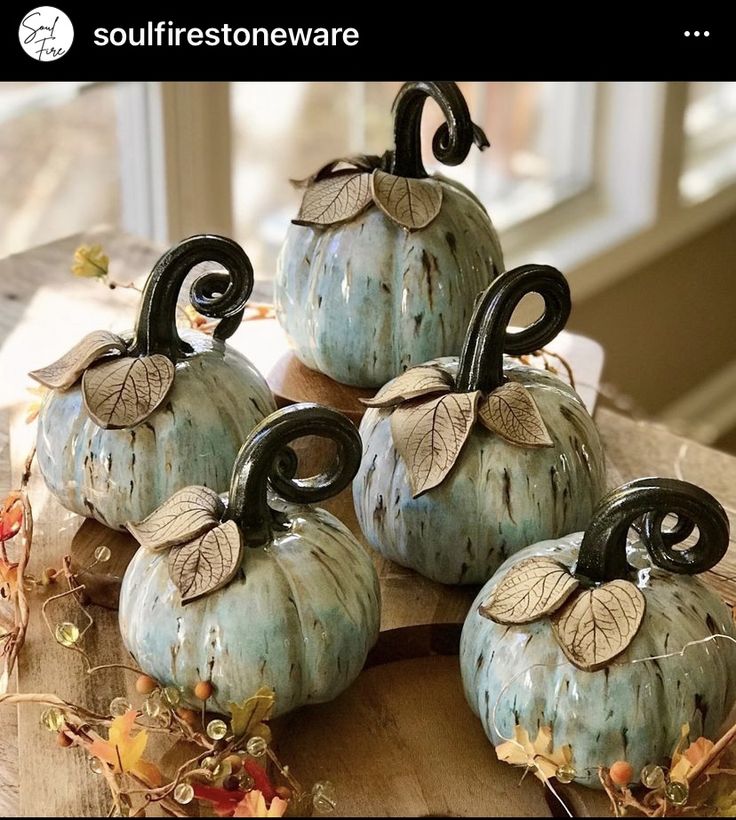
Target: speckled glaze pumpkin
[518,674]
[302,610]
[499,497]
[364,299]
[193,437]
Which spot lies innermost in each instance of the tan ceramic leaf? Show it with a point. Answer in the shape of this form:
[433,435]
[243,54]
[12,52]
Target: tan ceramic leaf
[187,514]
[510,411]
[411,203]
[531,589]
[429,436]
[64,372]
[415,382]
[599,624]
[124,392]
[207,563]
[336,198]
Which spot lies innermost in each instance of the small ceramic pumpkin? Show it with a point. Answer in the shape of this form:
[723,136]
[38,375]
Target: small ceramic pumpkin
[467,461]
[131,419]
[254,592]
[381,267]
[590,635]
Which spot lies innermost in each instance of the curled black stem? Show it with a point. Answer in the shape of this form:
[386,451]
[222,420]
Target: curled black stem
[216,295]
[266,458]
[452,140]
[603,555]
[488,338]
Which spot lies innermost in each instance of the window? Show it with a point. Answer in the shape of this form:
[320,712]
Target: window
[58,161]
[709,162]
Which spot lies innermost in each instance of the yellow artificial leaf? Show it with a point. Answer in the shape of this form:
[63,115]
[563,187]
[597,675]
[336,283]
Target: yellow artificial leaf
[90,262]
[123,751]
[33,408]
[248,716]
[540,756]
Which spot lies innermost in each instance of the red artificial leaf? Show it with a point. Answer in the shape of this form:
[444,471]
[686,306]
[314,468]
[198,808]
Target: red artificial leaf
[11,517]
[224,801]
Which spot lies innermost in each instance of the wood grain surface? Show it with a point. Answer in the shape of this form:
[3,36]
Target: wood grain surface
[43,310]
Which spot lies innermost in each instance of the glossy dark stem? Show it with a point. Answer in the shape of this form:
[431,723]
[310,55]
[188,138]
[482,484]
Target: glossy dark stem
[266,458]
[215,294]
[452,140]
[603,555]
[488,338]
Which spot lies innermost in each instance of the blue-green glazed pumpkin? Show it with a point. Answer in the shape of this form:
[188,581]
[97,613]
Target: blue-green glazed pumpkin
[498,495]
[362,299]
[301,608]
[104,469]
[625,708]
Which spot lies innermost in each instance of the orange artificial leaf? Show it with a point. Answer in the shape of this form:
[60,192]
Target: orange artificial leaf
[196,320]
[123,751]
[686,757]
[254,805]
[539,756]
[11,517]
[8,579]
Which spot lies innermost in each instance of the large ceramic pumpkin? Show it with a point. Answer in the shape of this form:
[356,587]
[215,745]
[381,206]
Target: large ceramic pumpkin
[466,461]
[381,269]
[590,635]
[131,419]
[256,592]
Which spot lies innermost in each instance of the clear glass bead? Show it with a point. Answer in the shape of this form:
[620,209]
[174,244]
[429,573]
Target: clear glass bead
[216,729]
[67,634]
[256,746]
[676,792]
[172,695]
[96,765]
[152,705]
[565,773]
[213,765]
[119,706]
[52,719]
[652,776]
[184,793]
[324,797]
[102,553]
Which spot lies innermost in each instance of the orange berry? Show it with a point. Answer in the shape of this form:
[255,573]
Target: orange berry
[63,740]
[203,690]
[145,685]
[621,773]
[189,716]
[284,792]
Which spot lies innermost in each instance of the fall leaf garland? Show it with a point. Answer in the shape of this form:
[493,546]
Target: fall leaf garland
[431,421]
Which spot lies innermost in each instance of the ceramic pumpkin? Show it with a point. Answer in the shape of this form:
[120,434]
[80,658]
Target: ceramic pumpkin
[557,637]
[465,461]
[256,591]
[130,419]
[380,270]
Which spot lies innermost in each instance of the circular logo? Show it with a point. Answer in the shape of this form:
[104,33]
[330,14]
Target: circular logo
[46,33]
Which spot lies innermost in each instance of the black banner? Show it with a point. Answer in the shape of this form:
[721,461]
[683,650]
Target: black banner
[161,41]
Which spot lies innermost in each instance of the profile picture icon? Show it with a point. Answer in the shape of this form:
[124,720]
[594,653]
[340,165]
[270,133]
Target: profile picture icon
[46,33]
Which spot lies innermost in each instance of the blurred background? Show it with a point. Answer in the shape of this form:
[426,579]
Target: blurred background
[629,188]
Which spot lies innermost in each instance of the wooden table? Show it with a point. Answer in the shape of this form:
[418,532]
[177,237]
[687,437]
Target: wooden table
[44,310]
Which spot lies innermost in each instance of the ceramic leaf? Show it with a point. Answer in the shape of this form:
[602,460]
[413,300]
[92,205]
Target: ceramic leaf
[511,412]
[124,392]
[67,370]
[187,514]
[415,382]
[429,435]
[207,563]
[336,198]
[531,589]
[411,203]
[598,624]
